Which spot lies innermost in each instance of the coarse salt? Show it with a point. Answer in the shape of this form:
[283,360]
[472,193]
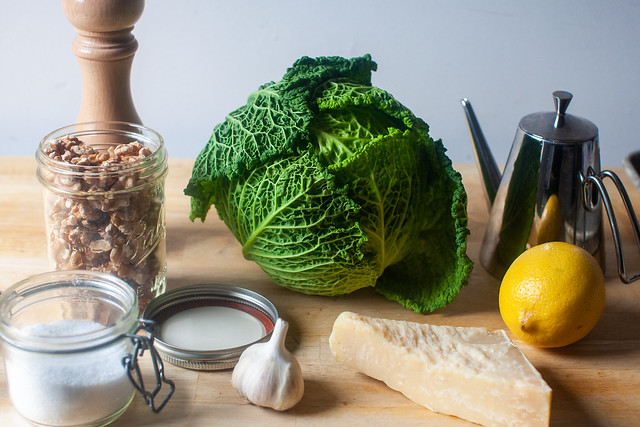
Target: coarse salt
[68,388]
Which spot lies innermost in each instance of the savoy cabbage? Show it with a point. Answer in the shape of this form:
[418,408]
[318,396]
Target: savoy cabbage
[331,185]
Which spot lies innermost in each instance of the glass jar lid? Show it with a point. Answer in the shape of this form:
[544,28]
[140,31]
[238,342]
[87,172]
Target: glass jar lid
[208,326]
[89,297]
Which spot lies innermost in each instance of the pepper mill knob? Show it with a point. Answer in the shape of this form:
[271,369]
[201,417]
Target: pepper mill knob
[105,48]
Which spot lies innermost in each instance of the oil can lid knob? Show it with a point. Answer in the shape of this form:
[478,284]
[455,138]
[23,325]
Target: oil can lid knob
[562,100]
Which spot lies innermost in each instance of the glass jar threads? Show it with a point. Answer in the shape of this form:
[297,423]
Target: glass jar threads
[70,348]
[104,202]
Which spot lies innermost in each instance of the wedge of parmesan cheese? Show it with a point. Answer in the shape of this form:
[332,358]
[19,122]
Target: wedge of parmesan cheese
[472,373]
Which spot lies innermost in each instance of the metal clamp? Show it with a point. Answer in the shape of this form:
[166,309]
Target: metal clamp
[142,343]
[591,203]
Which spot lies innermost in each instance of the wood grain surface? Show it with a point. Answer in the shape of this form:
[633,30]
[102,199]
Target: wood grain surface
[595,381]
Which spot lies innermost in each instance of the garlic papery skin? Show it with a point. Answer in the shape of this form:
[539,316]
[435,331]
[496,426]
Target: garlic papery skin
[267,374]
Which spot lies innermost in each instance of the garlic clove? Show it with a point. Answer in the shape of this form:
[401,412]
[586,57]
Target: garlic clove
[268,375]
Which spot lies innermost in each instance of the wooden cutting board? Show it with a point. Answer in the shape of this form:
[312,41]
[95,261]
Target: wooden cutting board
[595,381]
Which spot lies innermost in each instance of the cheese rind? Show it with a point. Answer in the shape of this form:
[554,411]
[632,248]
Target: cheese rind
[472,373]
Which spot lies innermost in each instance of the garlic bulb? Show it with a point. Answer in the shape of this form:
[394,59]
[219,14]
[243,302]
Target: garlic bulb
[267,374]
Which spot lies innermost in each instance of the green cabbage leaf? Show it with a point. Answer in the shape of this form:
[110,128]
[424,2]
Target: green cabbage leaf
[331,185]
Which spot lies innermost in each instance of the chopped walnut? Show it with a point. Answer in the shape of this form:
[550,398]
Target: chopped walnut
[106,227]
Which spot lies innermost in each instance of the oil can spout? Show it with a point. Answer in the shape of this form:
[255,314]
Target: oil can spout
[491,174]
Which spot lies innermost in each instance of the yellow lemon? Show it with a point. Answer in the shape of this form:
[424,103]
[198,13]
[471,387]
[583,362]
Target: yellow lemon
[552,295]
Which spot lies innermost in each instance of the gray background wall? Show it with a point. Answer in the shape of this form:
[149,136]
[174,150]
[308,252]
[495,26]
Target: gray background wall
[200,59]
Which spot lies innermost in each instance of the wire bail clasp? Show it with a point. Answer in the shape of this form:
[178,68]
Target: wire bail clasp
[130,362]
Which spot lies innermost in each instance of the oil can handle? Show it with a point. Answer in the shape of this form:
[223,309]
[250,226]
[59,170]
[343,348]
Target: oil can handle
[590,203]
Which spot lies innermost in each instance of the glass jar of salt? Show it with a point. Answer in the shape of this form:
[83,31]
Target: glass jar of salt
[71,342]
[104,202]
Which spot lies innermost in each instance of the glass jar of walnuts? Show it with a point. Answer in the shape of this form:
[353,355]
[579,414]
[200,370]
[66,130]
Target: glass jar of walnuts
[104,202]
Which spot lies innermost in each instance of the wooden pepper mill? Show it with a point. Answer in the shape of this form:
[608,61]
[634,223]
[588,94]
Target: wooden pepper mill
[105,49]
